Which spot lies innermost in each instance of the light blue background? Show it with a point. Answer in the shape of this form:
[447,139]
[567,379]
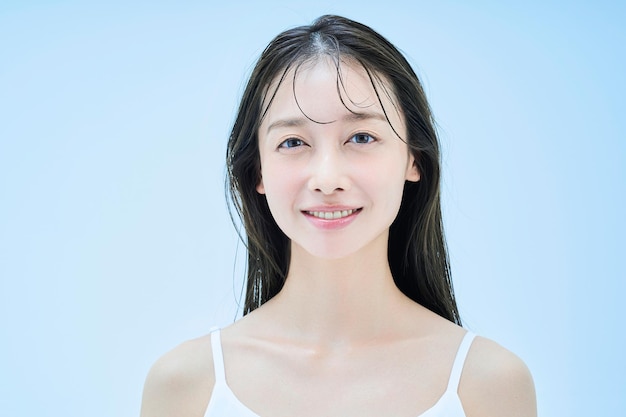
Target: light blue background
[115,242]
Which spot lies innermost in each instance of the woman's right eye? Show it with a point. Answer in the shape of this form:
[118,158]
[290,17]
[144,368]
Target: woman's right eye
[291,143]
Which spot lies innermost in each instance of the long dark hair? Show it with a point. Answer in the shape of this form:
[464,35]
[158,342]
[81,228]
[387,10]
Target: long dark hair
[417,250]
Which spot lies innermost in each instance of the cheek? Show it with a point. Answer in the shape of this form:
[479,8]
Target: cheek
[389,187]
[278,183]
[281,190]
[393,199]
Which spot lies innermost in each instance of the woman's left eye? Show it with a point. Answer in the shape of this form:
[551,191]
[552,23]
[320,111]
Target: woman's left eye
[362,139]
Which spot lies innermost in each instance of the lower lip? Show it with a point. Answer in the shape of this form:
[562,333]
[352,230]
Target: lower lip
[332,224]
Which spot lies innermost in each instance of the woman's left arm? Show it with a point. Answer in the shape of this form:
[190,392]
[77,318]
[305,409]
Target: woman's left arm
[496,383]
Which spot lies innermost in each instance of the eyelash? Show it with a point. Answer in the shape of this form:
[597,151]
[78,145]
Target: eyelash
[372,138]
[288,143]
[291,143]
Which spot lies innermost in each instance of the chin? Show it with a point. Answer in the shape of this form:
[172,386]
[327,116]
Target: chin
[324,253]
[334,250]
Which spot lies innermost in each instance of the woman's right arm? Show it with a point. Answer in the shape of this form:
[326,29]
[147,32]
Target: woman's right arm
[179,384]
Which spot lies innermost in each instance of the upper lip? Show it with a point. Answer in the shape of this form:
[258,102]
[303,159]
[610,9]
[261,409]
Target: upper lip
[331,208]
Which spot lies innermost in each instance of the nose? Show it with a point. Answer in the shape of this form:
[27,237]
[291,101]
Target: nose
[329,172]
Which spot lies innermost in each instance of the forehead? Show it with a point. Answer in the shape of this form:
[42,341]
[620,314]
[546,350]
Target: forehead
[322,89]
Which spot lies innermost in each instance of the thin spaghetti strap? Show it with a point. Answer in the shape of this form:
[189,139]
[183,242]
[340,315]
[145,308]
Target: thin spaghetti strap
[218,357]
[459,361]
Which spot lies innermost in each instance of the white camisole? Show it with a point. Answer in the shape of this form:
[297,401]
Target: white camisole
[224,403]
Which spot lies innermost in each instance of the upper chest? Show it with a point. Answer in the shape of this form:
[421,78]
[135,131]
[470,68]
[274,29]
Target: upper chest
[399,379]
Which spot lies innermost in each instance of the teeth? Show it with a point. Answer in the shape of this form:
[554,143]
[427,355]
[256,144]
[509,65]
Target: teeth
[331,215]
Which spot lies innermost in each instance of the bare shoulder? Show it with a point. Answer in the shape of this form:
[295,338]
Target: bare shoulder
[495,382]
[180,382]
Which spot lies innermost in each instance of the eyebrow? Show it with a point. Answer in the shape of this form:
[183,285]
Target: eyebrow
[350,117]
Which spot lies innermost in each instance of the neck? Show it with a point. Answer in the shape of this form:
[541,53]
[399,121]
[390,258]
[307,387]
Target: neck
[338,301]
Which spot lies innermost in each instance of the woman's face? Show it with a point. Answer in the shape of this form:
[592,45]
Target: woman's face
[332,168]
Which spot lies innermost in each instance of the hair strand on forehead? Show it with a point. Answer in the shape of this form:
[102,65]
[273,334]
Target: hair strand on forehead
[295,97]
[373,82]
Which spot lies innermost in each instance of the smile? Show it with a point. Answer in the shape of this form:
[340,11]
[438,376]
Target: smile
[331,215]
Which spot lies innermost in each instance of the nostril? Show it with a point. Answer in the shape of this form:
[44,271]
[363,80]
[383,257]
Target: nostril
[328,178]
[329,190]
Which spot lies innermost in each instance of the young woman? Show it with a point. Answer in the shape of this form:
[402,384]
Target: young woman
[333,166]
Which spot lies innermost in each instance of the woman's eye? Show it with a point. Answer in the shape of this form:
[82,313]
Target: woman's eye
[362,138]
[291,143]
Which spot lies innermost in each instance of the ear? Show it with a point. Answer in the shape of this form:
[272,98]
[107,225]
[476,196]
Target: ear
[260,188]
[412,172]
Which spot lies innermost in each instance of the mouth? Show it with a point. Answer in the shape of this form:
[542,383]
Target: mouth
[332,215]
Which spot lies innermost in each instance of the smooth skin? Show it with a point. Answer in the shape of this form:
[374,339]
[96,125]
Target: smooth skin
[339,339]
